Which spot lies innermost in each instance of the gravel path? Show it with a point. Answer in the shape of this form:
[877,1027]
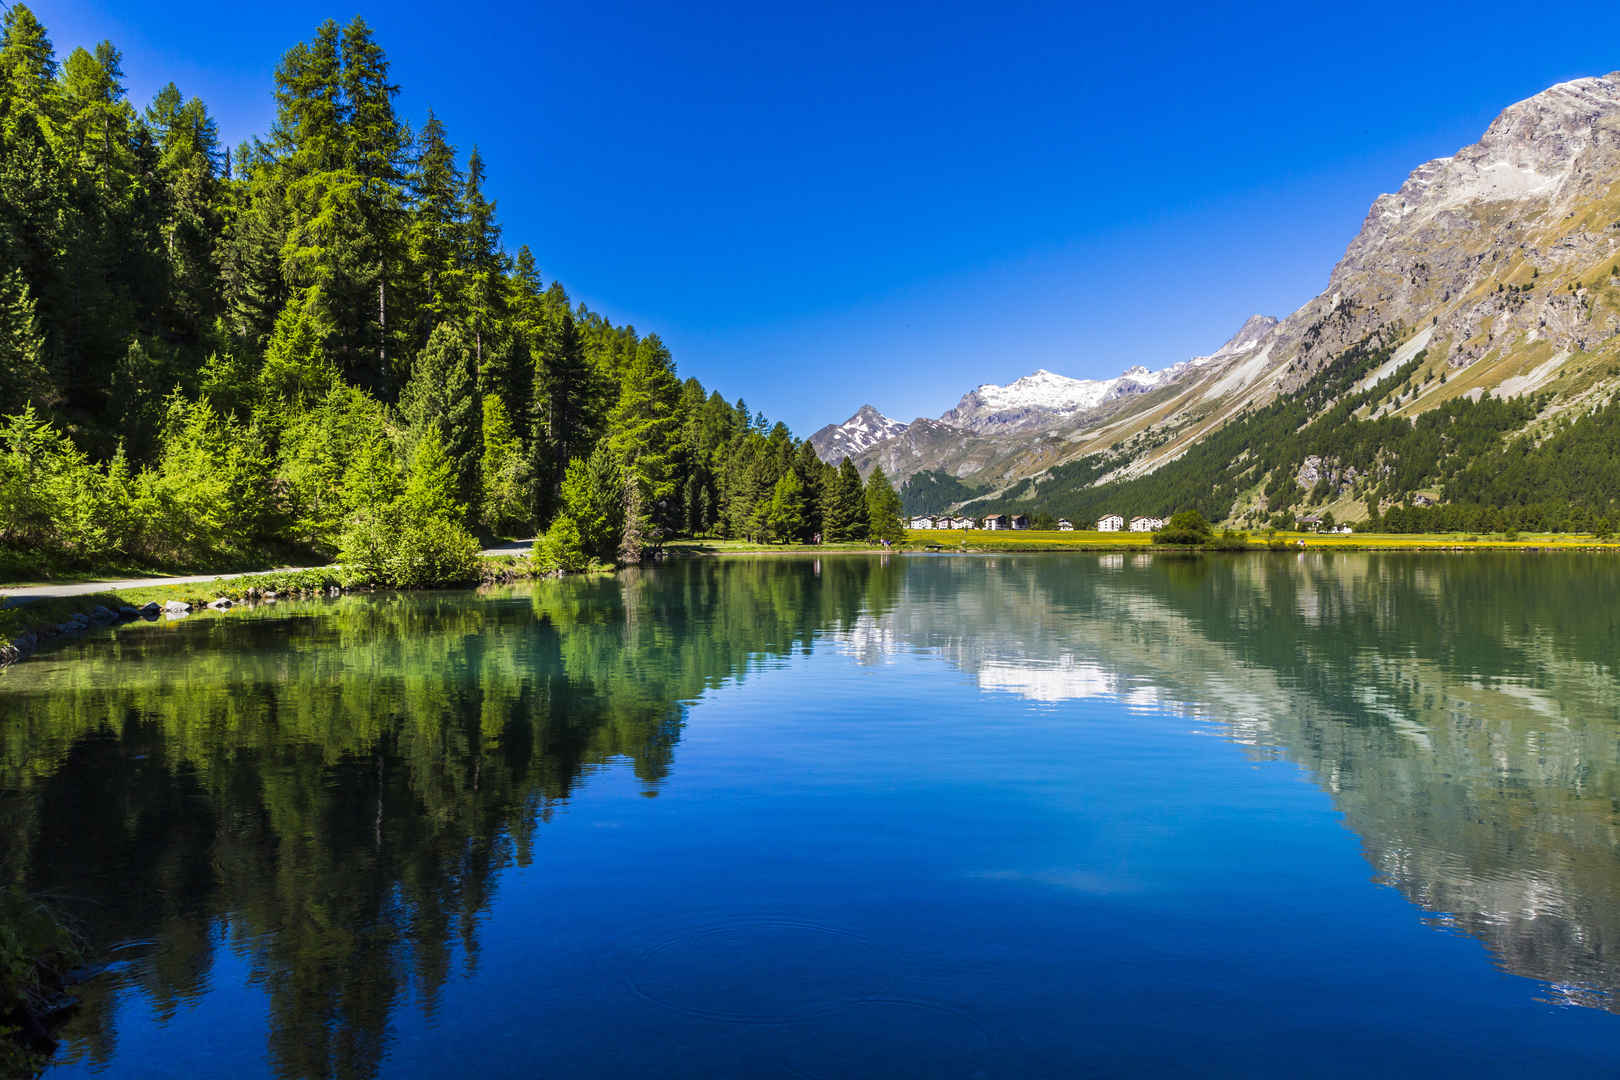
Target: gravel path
[85,588]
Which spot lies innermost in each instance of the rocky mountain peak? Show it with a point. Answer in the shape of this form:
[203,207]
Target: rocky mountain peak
[855,436]
[1536,151]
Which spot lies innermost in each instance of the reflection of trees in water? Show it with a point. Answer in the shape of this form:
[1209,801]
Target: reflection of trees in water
[334,790]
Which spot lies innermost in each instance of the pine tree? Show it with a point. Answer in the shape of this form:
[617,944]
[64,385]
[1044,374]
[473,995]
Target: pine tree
[883,508]
[480,260]
[644,430]
[507,499]
[846,505]
[375,143]
[24,380]
[296,370]
[443,392]
[787,518]
[436,224]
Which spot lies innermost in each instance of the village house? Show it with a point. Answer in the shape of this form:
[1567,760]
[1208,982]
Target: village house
[1308,523]
[963,523]
[1019,521]
[922,522]
[1146,524]
[1110,523]
[995,521]
[1065,525]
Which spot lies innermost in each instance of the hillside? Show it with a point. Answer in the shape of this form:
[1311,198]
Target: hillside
[1492,272]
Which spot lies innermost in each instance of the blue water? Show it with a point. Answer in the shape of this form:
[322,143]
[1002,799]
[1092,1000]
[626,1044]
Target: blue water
[1035,816]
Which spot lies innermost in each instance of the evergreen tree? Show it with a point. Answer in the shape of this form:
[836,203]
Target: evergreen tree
[645,430]
[507,499]
[436,224]
[24,380]
[480,261]
[846,505]
[788,518]
[883,508]
[443,393]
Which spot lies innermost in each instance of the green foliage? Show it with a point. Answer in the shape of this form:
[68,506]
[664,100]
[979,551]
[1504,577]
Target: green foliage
[506,472]
[24,381]
[207,336]
[846,505]
[1185,527]
[562,548]
[883,509]
[443,393]
[593,497]
[296,370]
[410,534]
[788,518]
[932,491]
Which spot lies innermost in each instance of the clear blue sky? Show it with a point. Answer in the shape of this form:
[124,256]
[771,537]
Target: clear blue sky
[822,205]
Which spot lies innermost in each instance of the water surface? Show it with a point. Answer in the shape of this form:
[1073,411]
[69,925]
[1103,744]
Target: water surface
[1045,815]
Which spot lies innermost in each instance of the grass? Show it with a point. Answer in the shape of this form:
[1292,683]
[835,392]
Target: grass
[23,615]
[27,613]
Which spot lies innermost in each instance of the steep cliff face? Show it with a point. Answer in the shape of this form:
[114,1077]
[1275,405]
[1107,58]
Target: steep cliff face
[1499,266]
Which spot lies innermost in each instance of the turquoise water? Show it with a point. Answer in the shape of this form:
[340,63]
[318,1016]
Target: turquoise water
[921,816]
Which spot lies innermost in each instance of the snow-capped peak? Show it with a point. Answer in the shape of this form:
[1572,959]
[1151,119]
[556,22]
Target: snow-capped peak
[854,436]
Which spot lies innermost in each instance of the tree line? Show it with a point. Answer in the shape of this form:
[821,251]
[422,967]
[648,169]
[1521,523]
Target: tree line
[318,342]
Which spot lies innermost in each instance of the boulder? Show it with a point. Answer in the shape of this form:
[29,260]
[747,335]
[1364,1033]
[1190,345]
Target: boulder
[177,607]
[151,609]
[127,612]
[103,614]
[220,603]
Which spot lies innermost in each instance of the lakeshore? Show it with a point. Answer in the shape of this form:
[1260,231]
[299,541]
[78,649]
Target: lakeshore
[34,616]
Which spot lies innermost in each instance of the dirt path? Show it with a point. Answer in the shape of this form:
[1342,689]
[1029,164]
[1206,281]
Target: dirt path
[85,588]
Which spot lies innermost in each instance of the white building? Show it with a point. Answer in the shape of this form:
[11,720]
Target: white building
[922,522]
[963,523]
[1065,525]
[995,521]
[1110,523]
[1019,521]
[1146,524]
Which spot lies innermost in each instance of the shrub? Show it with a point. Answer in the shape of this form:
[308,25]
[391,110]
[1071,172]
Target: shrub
[561,548]
[434,551]
[1185,528]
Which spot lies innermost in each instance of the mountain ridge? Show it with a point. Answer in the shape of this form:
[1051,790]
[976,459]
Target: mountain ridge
[1496,269]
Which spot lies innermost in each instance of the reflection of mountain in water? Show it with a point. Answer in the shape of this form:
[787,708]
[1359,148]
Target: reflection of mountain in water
[332,792]
[1463,713]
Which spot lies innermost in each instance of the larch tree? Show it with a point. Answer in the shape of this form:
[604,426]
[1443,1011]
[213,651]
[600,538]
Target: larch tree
[846,505]
[443,393]
[883,508]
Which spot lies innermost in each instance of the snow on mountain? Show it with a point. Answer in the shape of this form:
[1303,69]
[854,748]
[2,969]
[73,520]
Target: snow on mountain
[1045,397]
[855,436]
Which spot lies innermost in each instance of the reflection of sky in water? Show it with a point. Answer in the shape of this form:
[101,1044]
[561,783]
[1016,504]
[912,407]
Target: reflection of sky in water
[947,812]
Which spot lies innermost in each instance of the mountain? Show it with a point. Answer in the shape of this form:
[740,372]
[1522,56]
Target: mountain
[1040,400]
[855,436]
[1490,274]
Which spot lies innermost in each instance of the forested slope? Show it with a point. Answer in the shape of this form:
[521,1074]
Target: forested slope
[1467,456]
[319,342]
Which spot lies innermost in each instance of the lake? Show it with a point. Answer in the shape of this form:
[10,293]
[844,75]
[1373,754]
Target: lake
[956,816]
